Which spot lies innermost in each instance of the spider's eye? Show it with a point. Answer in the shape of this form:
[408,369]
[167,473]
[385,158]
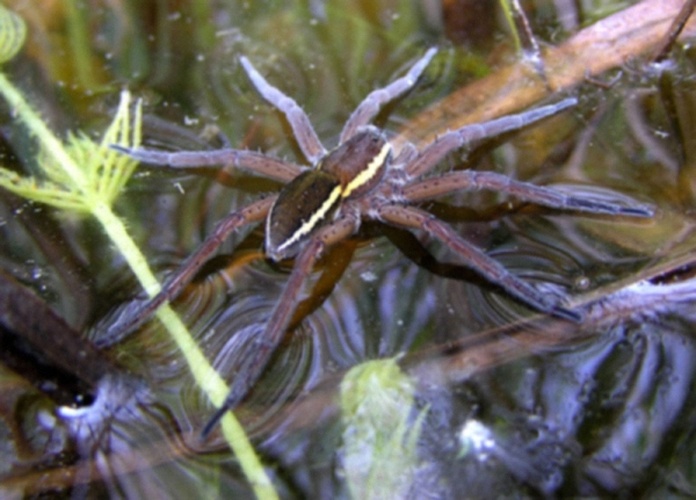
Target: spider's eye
[303,205]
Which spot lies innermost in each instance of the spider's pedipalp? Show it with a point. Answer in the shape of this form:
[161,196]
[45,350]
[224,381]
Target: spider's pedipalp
[374,101]
[433,187]
[465,136]
[406,154]
[258,163]
[304,132]
[488,267]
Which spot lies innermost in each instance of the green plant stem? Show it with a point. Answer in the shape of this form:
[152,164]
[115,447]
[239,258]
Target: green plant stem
[204,374]
[78,35]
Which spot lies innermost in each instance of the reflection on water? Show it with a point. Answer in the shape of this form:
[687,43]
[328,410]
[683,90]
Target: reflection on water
[588,419]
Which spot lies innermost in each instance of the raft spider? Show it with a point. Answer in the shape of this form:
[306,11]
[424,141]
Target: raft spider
[361,178]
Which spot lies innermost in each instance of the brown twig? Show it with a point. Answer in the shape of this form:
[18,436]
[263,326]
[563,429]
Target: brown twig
[607,44]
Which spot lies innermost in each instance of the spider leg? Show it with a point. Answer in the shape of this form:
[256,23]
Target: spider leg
[489,268]
[258,163]
[431,155]
[433,187]
[267,342]
[304,132]
[137,313]
[374,101]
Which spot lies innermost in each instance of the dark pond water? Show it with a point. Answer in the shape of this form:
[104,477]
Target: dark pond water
[495,399]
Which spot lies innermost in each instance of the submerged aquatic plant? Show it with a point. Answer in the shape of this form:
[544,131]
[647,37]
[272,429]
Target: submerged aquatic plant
[79,175]
[13,32]
[85,177]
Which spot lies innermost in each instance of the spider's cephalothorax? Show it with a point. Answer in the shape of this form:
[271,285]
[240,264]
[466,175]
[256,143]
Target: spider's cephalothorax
[359,180]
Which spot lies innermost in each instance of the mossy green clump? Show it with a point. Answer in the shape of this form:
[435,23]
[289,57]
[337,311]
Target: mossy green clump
[380,430]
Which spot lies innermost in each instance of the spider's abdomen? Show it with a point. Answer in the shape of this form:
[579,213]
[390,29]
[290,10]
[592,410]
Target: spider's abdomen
[359,163]
[303,205]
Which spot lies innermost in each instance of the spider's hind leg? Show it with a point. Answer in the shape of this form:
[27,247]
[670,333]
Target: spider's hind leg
[267,341]
[138,312]
[489,268]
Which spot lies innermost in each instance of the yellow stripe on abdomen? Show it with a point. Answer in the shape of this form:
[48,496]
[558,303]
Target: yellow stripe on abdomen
[369,172]
[317,216]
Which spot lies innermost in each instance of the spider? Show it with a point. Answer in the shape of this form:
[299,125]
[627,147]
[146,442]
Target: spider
[361,178]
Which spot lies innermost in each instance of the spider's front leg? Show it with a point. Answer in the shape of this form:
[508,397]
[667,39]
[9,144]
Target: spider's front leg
[266,343]
[301,126]
[374,101]
[137,313]
[258,163]
[491,269]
